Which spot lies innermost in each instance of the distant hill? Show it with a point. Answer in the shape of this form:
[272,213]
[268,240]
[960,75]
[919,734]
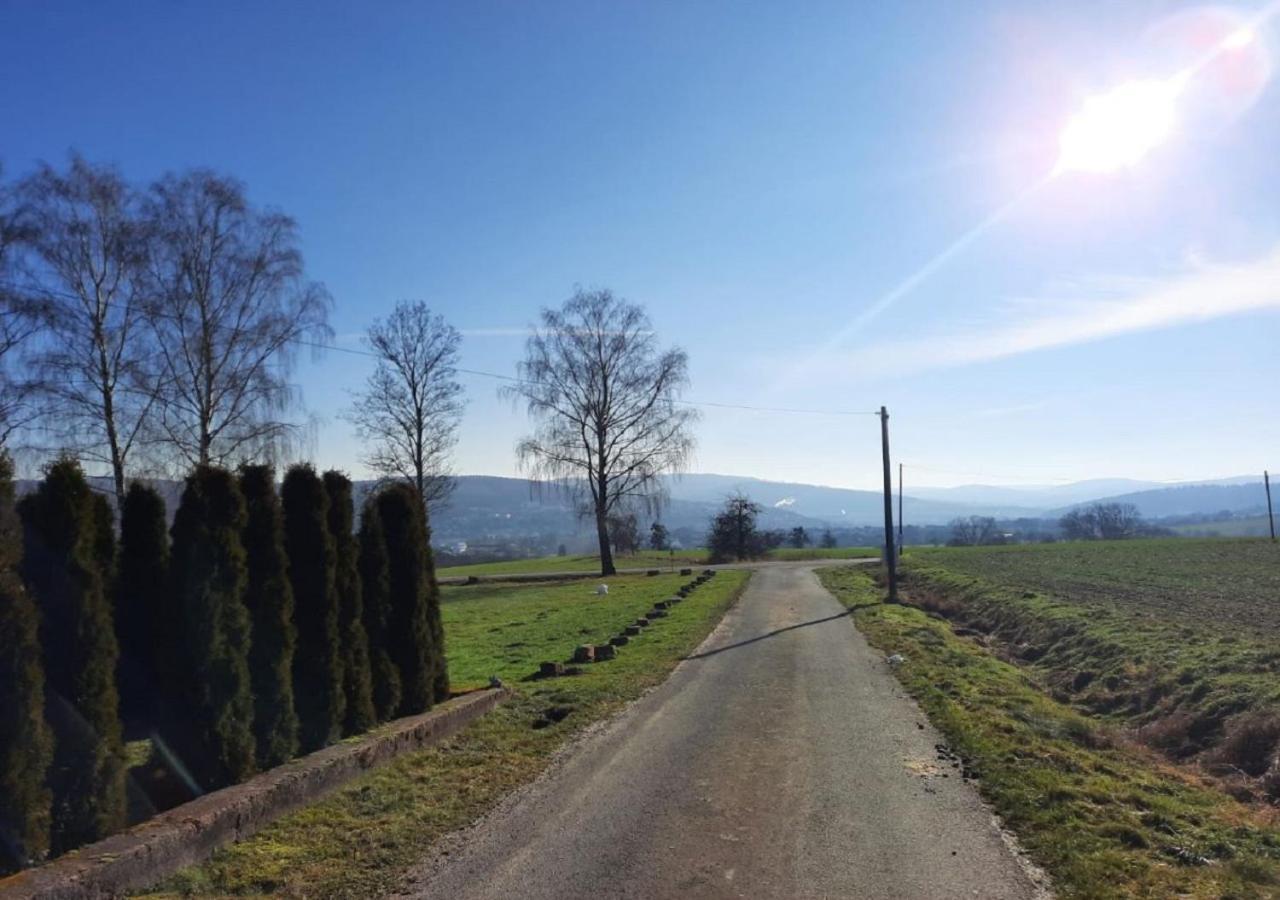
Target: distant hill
[1193,499]
[490,508]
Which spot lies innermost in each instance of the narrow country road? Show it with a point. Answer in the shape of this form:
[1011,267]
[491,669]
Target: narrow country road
[781,760]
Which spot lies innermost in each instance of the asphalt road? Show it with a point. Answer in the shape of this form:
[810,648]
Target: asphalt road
[781,760]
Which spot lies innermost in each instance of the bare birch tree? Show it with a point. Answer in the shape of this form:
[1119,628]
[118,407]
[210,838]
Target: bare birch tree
[94,364]
[411,404]
[18,321]
[605,402]
[230,301]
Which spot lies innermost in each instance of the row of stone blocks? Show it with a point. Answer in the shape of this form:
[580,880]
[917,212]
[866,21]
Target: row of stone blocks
[593,653]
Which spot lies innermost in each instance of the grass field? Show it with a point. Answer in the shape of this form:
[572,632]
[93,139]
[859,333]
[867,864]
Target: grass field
[1231,586]
[361,841]
[544,564]
[1104,816]
[1255,526]
[645,560]
[806,553]
[1175,640]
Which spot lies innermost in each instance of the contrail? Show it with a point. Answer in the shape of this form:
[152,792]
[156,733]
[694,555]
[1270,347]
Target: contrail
[916,278]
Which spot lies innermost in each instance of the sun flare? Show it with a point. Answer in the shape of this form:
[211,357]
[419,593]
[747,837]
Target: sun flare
[1117,129]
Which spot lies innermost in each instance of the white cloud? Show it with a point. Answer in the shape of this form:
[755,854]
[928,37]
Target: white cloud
[1202,293]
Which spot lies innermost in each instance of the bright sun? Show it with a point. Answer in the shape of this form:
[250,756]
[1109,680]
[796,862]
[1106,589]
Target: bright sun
[1115,130]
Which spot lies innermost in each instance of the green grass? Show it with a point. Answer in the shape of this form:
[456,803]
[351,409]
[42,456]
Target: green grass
[643,560]
[1104,817]
[361,841]
[1229,585]
[1252,526]
[545,564]
[808,553]
[1174,640]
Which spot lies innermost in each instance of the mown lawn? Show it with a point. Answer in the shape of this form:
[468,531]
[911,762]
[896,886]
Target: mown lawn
[1104,816]
[545,564]
[643,560]
[814,553]
[362,840]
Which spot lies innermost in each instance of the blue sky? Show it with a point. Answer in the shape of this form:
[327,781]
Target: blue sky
[759,176]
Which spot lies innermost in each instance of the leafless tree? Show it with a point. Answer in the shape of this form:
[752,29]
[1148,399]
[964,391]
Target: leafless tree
[411,404]
[19,317]
[94,364]
[1102,521]
[230,302]
[973,531]
[604,400]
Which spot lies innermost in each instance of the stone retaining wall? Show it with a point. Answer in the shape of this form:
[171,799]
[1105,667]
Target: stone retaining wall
[189,834]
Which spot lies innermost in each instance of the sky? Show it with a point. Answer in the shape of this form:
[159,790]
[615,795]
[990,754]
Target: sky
[830,206]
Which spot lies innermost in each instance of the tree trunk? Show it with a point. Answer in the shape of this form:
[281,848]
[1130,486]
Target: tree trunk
[606,552]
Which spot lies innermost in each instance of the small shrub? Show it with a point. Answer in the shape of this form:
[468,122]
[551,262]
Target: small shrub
[1251,743]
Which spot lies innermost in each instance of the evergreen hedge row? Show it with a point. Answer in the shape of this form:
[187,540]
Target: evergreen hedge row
[269,599]
[317,669]
[63,557]
[26,741]
[258,626]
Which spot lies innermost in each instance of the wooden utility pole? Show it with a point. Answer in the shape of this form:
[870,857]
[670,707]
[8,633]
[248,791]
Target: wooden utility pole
[1271,520]
[900,543]
[890,552]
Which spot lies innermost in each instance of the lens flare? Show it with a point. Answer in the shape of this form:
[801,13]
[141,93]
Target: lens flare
[1117,129]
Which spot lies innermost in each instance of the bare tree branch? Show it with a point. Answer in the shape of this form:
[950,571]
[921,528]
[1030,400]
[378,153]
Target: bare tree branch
[411,405]
[89,245]
[604,400]
[228,301]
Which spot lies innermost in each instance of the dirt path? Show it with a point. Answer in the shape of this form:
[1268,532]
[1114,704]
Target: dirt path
[781,760]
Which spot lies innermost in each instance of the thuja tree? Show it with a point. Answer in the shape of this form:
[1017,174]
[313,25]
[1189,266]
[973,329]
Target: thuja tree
[269,599]
[439,665]
[104,539]
[375,583]
[317,666]
[409,628]
[61,564]
[26,742]
[207,723]
[357,679]
[142,568]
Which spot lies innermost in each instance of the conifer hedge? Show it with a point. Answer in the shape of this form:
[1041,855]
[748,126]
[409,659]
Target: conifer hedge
[357,679]
[375,583]
[409,628]
[26,741]
[62,566]
[269,599]
[317,666]
[142,581]
[208,715]
[439,664]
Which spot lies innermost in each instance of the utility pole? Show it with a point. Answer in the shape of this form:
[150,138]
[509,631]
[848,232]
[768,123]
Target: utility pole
[1271,520]
[900,543]
[890,552]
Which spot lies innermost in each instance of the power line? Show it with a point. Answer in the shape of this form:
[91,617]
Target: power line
[514,380]
[355,351]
